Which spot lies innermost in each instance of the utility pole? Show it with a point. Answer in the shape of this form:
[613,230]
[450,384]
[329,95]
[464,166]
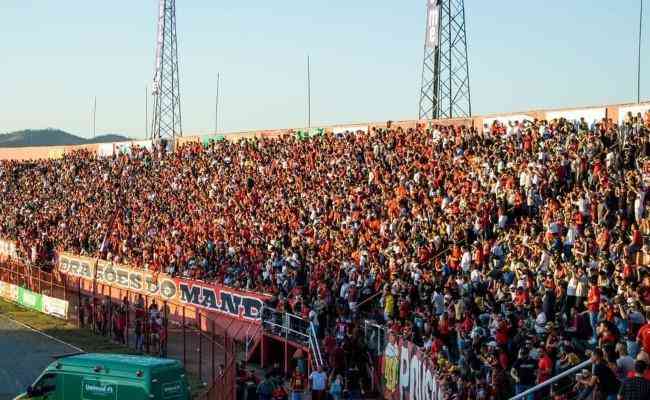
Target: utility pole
[94,117]
[146,111]
[638,72]
[216,107]
[308,94]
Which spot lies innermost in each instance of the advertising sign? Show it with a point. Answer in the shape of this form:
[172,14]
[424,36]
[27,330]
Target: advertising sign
[433,20]
[172,390]
[94,389]
[589,114]
[212,297]
[634,110]
[339,130]
[55,307]
[408,373]
[29,299]
[508,119]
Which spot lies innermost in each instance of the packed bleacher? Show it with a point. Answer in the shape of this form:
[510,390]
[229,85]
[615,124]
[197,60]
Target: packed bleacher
[508,251]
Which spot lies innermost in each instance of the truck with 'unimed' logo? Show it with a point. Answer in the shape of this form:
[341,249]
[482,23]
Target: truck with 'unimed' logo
[110,377]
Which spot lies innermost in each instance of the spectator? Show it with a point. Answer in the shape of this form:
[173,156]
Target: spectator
[336,388]
[523,373]
[636,387]
[298,385]
[603,381]
[318,383]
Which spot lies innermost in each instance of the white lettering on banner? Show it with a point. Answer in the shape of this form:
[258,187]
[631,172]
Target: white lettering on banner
[404,367]
[126,278]
[433,20]
[417,376]
[211,297]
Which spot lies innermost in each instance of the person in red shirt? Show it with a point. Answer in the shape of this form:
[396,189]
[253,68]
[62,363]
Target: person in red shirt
[544,366]
[643,336]
[593,305]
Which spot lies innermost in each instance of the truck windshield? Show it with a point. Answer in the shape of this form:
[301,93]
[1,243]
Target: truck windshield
[45,385]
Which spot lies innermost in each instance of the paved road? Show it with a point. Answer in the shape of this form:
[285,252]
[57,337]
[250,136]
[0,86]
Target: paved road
[23,356]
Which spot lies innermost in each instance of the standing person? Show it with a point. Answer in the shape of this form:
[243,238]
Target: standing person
[318,383]
[265,388]
[82,314]
[297,385]
[139,335]
[523,373]
[353,383]
[636,388]
[603,380]
[593,305]
[643,336]
[336,388]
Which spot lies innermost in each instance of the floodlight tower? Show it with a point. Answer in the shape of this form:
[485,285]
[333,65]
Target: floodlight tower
[166,123]
[445,73]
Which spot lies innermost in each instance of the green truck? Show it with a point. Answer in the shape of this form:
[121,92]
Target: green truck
[87,376]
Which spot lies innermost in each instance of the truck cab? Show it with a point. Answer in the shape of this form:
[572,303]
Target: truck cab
[88,376]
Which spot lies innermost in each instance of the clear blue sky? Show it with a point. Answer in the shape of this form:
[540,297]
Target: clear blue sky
[366,59]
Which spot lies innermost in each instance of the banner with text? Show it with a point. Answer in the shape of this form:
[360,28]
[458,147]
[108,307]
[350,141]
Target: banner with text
[212,297]
[590,115]
[55,307]
[433,21]
[342,130]
[408,372]
[29,299]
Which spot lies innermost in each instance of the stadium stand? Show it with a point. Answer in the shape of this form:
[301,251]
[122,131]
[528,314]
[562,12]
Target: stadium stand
[505,251]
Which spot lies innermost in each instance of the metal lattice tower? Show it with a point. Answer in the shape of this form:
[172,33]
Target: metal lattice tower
[166,123]
[445,74]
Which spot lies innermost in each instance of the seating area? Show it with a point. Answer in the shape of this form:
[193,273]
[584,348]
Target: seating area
[492,247]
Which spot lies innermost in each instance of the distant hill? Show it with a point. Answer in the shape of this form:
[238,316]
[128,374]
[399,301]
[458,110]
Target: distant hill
[52,137]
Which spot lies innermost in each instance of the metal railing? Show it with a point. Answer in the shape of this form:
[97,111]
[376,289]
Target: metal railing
[285,325]
[376,337]
[315,346]
[568,373]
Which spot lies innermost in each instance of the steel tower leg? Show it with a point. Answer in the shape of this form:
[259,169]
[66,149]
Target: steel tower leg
[166,123]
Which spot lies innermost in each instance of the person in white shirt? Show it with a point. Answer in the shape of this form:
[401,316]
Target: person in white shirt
[466,260]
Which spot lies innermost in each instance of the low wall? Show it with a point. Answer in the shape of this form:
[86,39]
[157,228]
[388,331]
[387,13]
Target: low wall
[615,112]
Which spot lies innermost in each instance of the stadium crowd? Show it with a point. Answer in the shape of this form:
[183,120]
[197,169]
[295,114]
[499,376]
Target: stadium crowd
[508,252]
